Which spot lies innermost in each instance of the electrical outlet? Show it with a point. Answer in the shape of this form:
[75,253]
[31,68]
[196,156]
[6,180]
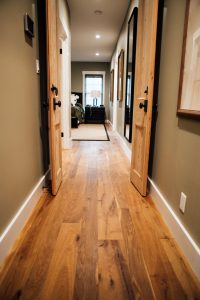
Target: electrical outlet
[182,202]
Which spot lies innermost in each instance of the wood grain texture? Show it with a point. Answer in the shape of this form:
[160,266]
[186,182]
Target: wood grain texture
[53,80]
[97,239]
[143,91]
[59,283]
[113,273]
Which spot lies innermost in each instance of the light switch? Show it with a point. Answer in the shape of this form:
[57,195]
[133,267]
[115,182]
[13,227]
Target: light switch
[182,202]
[37,66]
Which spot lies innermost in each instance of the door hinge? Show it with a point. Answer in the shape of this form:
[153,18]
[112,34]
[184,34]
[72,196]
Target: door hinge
[62,134]
[60,50]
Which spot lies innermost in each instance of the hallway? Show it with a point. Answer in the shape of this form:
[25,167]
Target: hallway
[97,239]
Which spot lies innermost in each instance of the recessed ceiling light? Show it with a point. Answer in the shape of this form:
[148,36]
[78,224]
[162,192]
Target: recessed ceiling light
[98,12]
[97,54]
[98,36]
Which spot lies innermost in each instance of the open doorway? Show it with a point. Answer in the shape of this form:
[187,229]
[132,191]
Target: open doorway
[64,72]
[89,101]
[44,129]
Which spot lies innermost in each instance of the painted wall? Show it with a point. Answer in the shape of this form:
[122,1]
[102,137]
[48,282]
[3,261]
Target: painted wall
[117,108]
[176,165]
[20,151]
[77,78]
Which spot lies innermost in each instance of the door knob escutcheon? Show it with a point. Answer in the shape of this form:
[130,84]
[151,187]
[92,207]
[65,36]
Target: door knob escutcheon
[144,105]
[56,103]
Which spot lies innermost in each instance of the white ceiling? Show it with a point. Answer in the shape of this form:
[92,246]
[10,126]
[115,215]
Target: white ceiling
[85,24]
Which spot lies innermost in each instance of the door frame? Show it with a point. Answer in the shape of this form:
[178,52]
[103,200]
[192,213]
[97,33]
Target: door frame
[64,71]
[156,84]
[42,46]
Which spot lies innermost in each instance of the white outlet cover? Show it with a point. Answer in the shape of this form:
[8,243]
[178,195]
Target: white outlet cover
[182,202]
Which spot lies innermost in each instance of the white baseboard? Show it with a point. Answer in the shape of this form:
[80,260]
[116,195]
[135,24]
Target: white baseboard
[14,228]
[124,146]
[181,235]
[108,122]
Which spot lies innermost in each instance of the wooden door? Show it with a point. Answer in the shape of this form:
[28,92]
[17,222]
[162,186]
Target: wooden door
[53,93]
[143,94]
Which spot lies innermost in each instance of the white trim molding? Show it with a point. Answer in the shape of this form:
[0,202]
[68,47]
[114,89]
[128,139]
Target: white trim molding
[108,122]
[178,230]
[94,73]
[14,228]
[123,143]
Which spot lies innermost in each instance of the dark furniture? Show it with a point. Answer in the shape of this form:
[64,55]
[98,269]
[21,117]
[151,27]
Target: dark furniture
[74,122]
[94,114]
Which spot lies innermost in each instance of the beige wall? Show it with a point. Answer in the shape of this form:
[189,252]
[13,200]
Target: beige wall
[176,166]
[121,44]
[20,151]
[77,77]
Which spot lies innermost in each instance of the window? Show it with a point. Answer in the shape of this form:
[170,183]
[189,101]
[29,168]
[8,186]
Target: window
[93,88]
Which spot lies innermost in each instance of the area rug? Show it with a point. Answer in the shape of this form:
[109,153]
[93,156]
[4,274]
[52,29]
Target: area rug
[90,132]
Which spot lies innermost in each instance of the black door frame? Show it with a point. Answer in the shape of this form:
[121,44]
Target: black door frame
[156,84]
[42,39]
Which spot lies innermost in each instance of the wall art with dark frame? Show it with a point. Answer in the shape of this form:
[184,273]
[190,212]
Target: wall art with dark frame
[112,85]
[189,84]
[120,76]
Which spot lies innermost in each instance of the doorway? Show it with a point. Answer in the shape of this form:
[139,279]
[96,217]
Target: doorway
[64,71]
[44,129]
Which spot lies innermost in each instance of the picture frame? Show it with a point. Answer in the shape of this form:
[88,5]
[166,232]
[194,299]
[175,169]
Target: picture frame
[120,76]
[189,83]
[112,85]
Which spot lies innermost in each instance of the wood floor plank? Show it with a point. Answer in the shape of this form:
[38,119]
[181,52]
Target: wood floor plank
[180,269]
[59,283]
[85,279]
[113,273]
[135,244]
[22,260]
[109,227]
[109,213]
[163,278]
[139,274]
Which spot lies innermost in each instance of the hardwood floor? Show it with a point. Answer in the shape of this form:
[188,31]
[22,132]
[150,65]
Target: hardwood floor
[97,239]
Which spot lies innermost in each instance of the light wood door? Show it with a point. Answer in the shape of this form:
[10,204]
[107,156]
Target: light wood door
[143,94]
[53,92]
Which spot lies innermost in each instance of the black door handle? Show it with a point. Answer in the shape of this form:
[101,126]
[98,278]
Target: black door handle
[54,89]
[56,103]
[144,105]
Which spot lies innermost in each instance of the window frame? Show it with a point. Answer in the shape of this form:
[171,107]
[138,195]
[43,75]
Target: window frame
[84,73]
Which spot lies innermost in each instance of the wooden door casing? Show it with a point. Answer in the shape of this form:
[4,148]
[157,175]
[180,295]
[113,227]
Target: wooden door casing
[144,88]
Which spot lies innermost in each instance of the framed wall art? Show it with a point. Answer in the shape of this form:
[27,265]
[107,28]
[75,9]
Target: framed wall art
[112,85]
[189,85]
[120,76]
